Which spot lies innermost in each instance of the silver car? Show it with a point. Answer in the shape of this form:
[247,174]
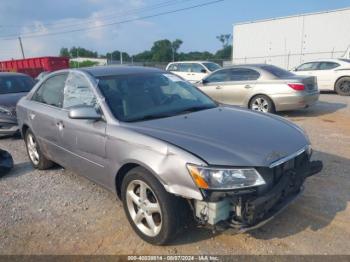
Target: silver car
[166,149]
[261,87]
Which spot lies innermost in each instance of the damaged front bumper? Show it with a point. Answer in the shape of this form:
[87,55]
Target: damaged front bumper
[243,210]
[8,125]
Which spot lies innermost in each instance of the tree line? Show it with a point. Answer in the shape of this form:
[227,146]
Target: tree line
[162,51]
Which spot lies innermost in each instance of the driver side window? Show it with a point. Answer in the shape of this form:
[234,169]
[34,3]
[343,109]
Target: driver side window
[219,76]
[77,92]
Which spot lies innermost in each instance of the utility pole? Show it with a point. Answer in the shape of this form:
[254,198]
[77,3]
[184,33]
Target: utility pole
[20,44]
[121,58]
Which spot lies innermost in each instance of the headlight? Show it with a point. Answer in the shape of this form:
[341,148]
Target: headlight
[225,178]
[309,150]
[4,110]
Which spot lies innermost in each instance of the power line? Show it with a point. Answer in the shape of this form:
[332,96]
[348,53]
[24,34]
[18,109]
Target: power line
[67,24]
[11,37]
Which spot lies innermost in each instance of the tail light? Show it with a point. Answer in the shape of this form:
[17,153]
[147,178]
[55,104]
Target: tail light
[297,87]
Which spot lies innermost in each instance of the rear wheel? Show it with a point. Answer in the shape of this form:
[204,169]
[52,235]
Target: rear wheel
[38,160]
[152,212]
[342,87]
[262,103]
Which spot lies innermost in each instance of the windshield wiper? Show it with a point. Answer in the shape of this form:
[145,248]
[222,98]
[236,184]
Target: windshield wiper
[193,109]
[149,117]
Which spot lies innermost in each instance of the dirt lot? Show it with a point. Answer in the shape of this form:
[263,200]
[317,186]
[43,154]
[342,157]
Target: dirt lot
[58,212]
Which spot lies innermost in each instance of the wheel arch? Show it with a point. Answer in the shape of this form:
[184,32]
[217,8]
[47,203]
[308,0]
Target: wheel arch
[260,94]
[338,79]
[125,168]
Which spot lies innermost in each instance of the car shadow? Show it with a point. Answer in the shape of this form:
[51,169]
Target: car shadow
[19,169]
[319,109]
[326,194]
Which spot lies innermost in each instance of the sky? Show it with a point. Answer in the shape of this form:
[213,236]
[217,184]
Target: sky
[197,27]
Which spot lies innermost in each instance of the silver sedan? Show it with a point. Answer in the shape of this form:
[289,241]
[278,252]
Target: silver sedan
[261,87]
[166,149]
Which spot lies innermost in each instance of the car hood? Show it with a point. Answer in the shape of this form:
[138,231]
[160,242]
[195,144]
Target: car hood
[10,100]
[228,136]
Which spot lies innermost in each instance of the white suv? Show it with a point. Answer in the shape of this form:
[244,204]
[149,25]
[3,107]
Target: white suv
[192,71]
[331,74]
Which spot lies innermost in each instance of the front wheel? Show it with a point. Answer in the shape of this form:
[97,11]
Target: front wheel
[151,211]
[262,103]
[342,87]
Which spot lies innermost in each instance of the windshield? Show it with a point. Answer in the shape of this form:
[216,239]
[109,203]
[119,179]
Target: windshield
[15,84]
[276,71]
[151,95]
[212,66]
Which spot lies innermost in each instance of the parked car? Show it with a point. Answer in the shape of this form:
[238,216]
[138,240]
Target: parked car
[6,162]
[192,71]
[261,87]
[165,148]
[13,86]
[332,74]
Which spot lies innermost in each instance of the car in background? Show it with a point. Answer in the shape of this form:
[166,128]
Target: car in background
[13,86]
[192,71]
[166,149]
[331,74]
[261,87]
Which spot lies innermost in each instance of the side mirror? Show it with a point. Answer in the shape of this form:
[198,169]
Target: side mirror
[203,71]
[84,112]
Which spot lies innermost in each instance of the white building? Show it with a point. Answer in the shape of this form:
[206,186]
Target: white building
[290,41]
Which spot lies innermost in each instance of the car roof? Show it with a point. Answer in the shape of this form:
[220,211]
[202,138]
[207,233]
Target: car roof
[336,60]
[99,71]
[185,62]
[12,74]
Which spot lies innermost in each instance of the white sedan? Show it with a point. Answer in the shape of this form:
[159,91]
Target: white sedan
[331,74]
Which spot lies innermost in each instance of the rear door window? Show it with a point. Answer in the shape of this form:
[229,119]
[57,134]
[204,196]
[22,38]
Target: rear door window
[197,68]
[308,66]
[327,65]
[51,91]
[242,74]
[184,67]
[173,67]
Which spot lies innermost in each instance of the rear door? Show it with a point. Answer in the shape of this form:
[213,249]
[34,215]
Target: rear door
[83,140]
[44,114]
[326,75]
[242,81]
[198,72]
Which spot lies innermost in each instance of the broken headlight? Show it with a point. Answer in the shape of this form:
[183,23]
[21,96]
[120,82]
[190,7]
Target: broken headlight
[225,178]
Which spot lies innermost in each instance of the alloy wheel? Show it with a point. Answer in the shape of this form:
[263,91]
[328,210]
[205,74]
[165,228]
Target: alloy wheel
[33,149]
[260,104]
[144,208]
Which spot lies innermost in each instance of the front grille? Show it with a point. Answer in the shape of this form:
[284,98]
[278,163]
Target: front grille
[273,175]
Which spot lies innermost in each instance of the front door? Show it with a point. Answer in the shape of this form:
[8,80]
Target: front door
[83,140]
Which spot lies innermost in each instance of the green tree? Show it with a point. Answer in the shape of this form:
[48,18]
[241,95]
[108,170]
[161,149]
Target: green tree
[64,52]
[175,45]
[115,56]
[225,39]
[225,53]
[162,51]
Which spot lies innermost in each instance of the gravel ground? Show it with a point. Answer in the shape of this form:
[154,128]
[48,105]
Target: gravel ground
[58,212]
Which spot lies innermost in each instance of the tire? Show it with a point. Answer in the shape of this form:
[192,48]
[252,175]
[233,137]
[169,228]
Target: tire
[36,157]
[262,103]
[342,86]
[166,214]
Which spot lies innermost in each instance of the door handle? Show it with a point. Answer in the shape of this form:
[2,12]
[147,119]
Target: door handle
[60,125]
[32,116]
[248,86]
[218,87]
